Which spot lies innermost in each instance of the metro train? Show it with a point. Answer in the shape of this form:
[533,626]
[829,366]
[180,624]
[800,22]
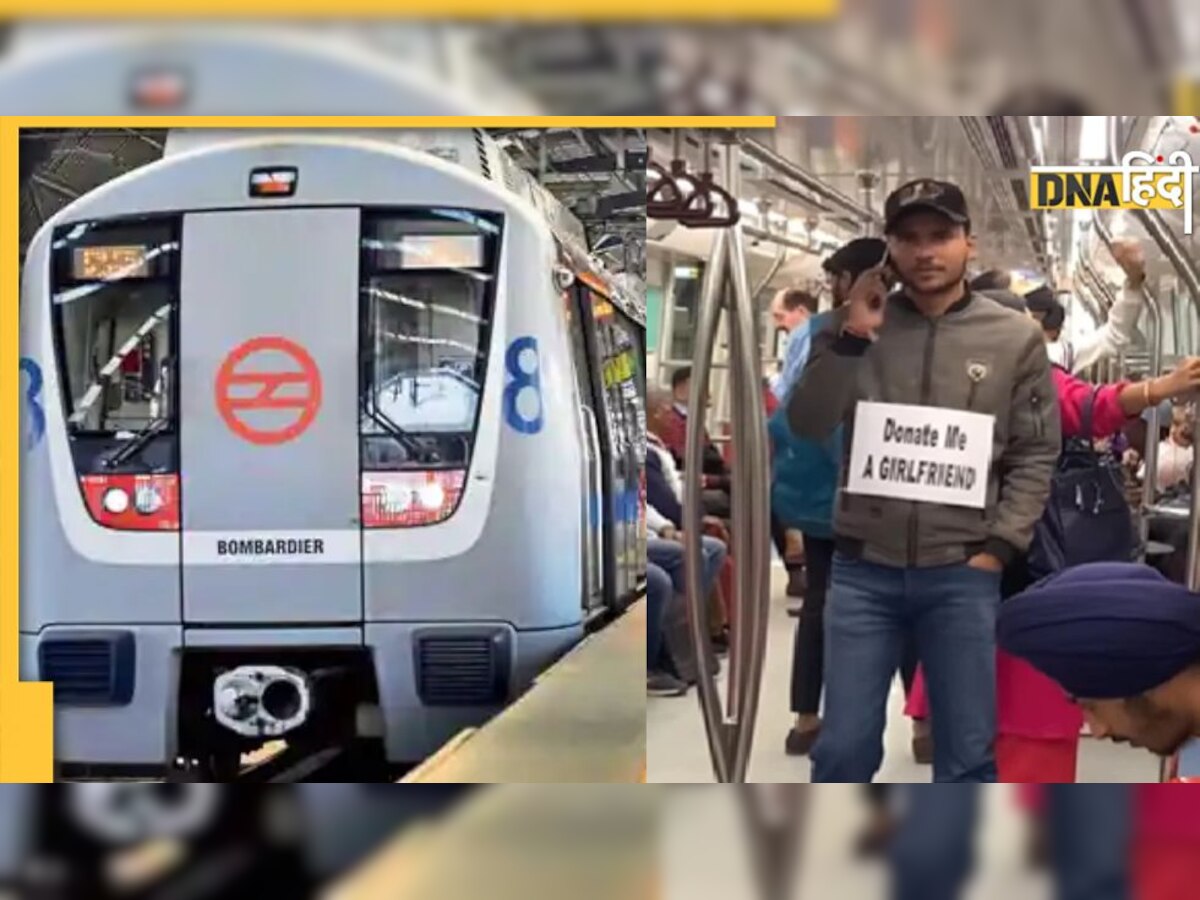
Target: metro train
[326,439]
[199,69]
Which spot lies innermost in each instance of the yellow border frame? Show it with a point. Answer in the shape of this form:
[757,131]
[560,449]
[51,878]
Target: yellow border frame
[432,10]
[26,723]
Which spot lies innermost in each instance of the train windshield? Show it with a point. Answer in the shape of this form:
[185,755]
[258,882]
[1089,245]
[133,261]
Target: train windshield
[115,301]
[428,288]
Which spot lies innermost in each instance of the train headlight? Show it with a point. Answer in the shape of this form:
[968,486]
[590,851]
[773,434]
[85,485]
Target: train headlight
[410,499]
[115,501]
[147,500]
[432,495]
[396,500]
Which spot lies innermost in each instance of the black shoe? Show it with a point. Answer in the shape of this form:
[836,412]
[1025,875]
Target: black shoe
[800,743]
[660,684]
[720,644]
[875,840]
[922,749]
[797,582]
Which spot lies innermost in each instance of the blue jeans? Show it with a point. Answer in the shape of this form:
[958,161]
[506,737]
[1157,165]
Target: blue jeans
[1089,834]
[1090,837]
[932,857]
[951,612]
[659,594]
[669,556]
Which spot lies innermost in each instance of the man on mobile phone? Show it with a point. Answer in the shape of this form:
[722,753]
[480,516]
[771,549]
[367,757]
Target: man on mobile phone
[952,433]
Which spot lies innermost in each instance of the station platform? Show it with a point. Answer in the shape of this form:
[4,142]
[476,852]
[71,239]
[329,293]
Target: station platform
[583,721]
[521,841]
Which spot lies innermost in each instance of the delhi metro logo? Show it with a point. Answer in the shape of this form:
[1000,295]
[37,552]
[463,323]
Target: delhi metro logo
[268,390]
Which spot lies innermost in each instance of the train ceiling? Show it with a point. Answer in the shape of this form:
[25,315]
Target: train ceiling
[599,176]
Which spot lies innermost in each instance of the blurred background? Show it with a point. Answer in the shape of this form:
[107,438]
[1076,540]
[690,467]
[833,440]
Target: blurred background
[349,842]
[935,842]
[877,57]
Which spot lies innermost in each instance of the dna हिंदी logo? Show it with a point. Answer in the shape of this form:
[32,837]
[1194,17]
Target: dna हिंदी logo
[1141,181]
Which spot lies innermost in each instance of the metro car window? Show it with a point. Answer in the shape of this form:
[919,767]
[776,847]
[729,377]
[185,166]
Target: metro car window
[115,299]
[428,287]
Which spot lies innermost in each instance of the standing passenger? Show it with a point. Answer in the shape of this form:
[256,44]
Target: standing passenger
[795,311]
[1116,334]
[906,564]
[803,485]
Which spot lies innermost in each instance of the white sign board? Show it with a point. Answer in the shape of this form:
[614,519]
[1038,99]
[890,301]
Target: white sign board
[921,453]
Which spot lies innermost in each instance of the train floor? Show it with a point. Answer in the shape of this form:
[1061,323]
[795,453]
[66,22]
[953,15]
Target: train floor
[678,751]
[704,852]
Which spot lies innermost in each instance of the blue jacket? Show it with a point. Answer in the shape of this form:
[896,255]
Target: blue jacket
[795,357]
[804,473]
[659,493]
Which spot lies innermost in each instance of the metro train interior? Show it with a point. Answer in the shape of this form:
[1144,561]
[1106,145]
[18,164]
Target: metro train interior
[796,194]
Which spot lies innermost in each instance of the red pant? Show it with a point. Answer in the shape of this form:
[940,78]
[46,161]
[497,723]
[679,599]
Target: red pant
[1022,760]
[1166,870]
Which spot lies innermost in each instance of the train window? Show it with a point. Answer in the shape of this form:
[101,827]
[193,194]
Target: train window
[428,284]
[115,298]
[682,306]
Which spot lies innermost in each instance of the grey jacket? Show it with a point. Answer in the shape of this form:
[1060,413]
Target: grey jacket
[922,361]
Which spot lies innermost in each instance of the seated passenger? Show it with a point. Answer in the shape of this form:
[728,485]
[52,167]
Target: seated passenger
[664,500]
[668,555]
[670,424]
[1176,454]
[660,594]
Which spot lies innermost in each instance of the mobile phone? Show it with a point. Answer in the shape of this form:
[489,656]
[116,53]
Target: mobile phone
[877,302]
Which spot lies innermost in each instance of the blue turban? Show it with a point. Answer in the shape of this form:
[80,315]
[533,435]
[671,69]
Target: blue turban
[1104,630]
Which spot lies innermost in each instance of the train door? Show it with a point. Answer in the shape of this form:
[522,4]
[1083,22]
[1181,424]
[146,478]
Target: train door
[587,379]
[617,349]
[268,387]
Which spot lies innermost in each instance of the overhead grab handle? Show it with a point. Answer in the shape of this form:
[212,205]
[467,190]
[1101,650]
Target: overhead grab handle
[710,205]
[695,201]
[670,192]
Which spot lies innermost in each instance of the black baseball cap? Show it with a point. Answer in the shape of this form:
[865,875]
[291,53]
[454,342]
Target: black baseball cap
[1041,299]
[926,193]
[856,257]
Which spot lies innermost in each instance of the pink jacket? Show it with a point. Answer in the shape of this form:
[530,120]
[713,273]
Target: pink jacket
[1028,703]
[1107,415]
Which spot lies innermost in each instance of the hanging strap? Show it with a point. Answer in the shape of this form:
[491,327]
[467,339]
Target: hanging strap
[1088,409]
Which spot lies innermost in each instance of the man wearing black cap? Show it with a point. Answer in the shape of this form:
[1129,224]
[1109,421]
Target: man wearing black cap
[1121,639]
[926,520]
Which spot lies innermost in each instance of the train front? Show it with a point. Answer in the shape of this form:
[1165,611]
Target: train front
[291,468]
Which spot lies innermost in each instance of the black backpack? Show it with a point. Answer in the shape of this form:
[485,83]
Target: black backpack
[1087,518]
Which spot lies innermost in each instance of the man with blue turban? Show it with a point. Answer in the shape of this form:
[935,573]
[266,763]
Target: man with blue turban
[1123,641]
